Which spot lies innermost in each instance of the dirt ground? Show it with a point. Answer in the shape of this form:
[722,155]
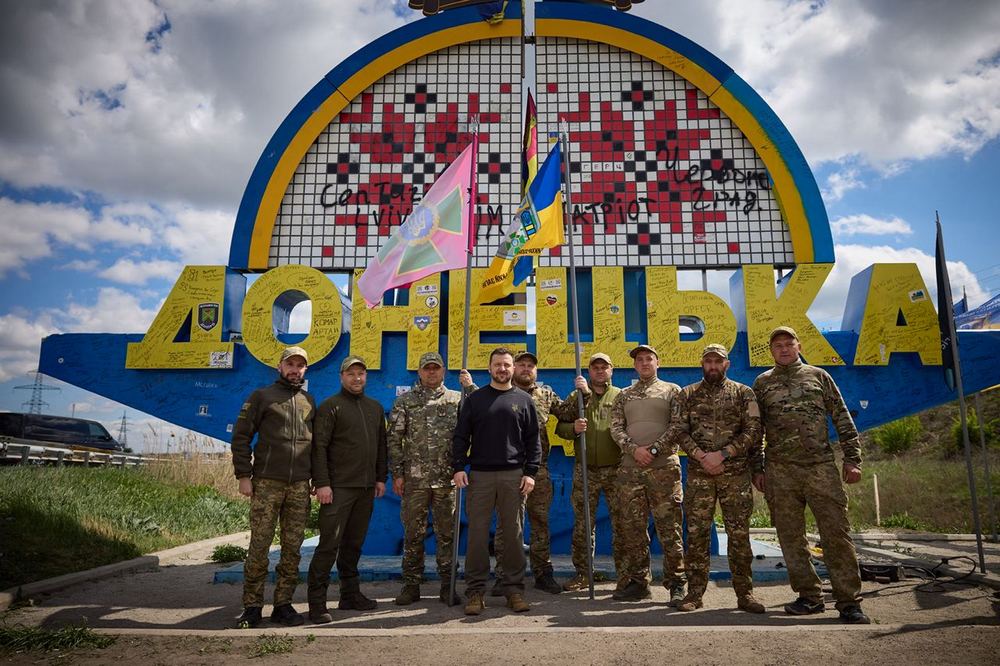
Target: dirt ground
[176,615]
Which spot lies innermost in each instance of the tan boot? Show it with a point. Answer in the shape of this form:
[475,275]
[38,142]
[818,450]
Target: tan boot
[747,602]
[408,595]
[689,604]
[578,582]
[516,603]
[475,604]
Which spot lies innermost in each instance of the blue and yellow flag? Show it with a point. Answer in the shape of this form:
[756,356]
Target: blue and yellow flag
[537,224]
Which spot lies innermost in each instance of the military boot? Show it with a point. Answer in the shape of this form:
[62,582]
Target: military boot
[633,591]
[677,594]
[747,602]
[578,582]
[318,614]
[547,583]
[408,595]
[689,604]
[250,619]
[351,597]
[445,596]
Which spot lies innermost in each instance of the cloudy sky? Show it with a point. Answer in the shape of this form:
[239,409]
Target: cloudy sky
[129,129]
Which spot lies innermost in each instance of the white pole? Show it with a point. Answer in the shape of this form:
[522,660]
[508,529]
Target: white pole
[878,506]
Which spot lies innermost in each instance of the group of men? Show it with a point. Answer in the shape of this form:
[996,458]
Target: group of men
[493,441]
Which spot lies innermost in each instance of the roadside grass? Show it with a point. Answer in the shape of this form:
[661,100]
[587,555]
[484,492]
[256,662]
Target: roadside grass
[18,639]
[270,644]
[57,520]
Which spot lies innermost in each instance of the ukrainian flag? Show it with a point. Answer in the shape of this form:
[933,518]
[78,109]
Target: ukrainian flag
[537,224]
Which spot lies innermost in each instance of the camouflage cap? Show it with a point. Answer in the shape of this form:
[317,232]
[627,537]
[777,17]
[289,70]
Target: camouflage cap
[782,330]
[294,351]
[526,354]
[600,356]
[716,349]
[429,358]
[353,360]
[642,348]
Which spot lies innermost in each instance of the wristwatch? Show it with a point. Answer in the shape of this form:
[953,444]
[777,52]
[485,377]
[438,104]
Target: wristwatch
[654,450]
[725,453]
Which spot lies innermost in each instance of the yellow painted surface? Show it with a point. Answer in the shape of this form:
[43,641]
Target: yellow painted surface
[665,305]
[766,311]
[552,337]
[420,320]
[157,350]
[896,288]
[258,318]
[511,318]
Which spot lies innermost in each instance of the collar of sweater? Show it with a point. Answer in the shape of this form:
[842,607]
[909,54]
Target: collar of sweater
[787,369]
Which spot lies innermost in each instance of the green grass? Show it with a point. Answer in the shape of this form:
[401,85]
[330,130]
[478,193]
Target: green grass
[898,436]
[19,639]
[229,553]
[266,645]
[58,520]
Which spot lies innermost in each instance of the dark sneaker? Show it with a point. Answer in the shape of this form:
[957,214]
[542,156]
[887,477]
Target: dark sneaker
[803,606]
[854,615]
[357,601]
[286,615]
[749,603]
[475,604]
[250,619]
[547,583]
[634,591]
[516,603]
[578,582]
[498,589]
[408,595]
[319,614]
[677,594]
[445,592]
[689,604]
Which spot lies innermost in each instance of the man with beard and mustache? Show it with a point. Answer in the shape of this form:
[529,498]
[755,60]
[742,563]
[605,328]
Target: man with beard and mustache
[274,474]
[497,437]
[717,423]
[649,481]
[540,500]
[349,468]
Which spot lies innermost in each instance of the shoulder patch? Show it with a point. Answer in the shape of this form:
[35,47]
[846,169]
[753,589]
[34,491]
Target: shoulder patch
[753,409]
[244,409]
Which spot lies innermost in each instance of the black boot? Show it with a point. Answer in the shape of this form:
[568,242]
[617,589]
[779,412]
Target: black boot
[351,597]
[250,619]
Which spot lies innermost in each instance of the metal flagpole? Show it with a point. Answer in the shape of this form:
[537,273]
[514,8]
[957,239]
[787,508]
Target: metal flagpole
[581,439]
[950,314]
[457,529]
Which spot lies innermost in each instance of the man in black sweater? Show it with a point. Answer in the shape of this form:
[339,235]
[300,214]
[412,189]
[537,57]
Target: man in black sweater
[497,437]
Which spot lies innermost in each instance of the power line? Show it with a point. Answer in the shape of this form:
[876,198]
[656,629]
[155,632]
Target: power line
[35,403]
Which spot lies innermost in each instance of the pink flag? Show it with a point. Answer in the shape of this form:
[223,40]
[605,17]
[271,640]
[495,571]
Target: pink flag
[434,237]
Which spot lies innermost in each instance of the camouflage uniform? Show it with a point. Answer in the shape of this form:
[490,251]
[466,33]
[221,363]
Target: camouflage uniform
[273,501]
[421,427]
[717,416]
[795,400]
[540,500]
[655,488]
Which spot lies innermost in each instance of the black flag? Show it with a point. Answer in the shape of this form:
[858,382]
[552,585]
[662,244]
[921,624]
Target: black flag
[946,316]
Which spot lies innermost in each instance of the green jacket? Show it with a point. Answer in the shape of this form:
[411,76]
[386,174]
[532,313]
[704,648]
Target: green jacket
[281,416]
[349,445]
[602,451]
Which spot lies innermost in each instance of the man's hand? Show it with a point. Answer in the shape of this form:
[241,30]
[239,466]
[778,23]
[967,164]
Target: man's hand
[461,479]
[379,489]
[324,494]
[397,486]
[246,486]
[527,485]
[642,456]
[713,463]
[464,378]
[852,473]
[759,481]
[581,385]
[580,425]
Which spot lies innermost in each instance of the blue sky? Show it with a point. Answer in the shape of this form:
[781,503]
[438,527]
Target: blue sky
[124,150]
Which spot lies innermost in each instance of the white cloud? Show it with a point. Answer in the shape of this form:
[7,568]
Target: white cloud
[83,266]
[115,311]
[840,183]
[853,225]
[127,271]
[20,341]
[199,236]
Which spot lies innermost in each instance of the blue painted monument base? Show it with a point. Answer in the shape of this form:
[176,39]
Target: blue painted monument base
[768,565]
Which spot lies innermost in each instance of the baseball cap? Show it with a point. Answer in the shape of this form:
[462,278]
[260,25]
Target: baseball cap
[642,348]
[431,357]
[782,330]
[352,360]
[294,351]
[715,349]
[600,356]
[526,354]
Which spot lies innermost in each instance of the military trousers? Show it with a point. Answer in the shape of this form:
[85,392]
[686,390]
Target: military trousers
[540,542]
[734,493]
[789,489]
[500,492]
[413,513]
[343,525]
[599,480]
[275,502]
[641,491]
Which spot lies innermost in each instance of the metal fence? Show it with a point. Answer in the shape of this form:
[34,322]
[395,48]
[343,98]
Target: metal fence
[19,452]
